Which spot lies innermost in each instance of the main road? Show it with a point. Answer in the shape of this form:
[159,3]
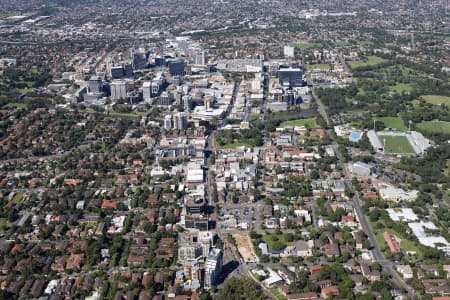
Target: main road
[377,254]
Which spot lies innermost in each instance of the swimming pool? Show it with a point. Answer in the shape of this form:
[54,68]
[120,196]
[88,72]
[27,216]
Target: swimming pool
[355,136]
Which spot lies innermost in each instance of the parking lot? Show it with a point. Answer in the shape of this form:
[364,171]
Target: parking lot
[242,214]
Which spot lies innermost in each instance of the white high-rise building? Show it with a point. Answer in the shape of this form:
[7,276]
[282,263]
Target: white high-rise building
[180,121]
[186,99]
[200,57]
[147,91]
[118,89]
[167,122]
[213,267]
[166,98]
[289,52]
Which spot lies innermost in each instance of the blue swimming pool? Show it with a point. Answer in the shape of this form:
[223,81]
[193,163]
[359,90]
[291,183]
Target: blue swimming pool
[355,136]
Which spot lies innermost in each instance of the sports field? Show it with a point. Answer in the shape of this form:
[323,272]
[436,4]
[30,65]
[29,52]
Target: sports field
[396,144]
[436,99]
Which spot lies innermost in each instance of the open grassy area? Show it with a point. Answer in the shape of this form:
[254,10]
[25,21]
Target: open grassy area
[342,43]
[275,241]
[288,115]
[276,293]
[368,61]
[402,88]
[313,67]
[5,16]
[134,114]
[308,45]
[410,246]
[13,105]
[396,144]
[3,223]
[392,122]
[311,122]
[434,127]
[405,244]
[436,99]
[447,171]
[17,197]
[400,70]
[365,43]
[233,145]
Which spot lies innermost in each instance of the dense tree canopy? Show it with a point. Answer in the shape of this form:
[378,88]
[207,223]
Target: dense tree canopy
[239,289]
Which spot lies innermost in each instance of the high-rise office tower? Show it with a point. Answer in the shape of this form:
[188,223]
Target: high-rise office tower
[95,84]
[158,84]
[139,60]
[180,121]
[176,67]
[166,98]
[128,69]
[186,99]
[147,91]
[118,89]
[117,72]
[213,267]
[167,122]
[200,57]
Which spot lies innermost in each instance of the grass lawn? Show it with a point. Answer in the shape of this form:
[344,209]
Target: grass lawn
[379,237]
[125,115]
[342,43]
[401,70]
[404,243]
[13,105]
[368,61]
[365,43]
[447,171]
[17,197]
[233,145]
[361,92]
[410,246]
[436,99]
[308,45]
[396,144]
[402,88]
[275,241]
[311,122]
[276,293]
[24,90]
[434,127]
[3,223]
[392,122]
[313,67]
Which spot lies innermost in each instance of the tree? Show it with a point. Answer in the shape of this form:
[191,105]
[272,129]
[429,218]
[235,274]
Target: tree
[376,266]
[239,288]
[289,237]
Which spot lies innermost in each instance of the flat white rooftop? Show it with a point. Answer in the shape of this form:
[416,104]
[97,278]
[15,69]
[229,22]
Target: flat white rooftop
[402,214]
